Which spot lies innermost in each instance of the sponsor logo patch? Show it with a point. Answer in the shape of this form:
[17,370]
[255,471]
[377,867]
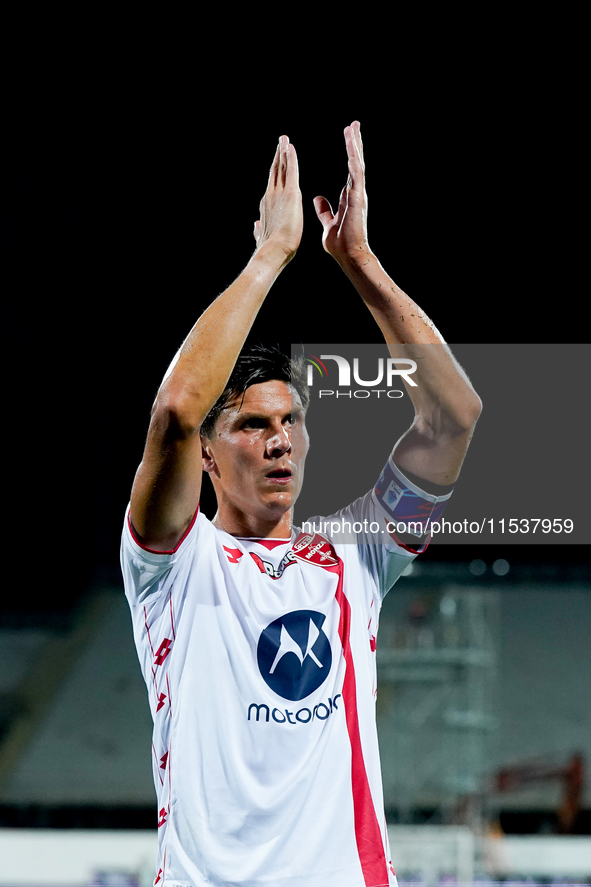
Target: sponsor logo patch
[294,655]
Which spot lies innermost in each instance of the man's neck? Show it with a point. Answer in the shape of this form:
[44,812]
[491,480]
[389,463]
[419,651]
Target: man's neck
[248,526]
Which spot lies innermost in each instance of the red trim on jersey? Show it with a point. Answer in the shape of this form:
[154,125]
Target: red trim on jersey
[270,544]
[137,540]
[156,758]
[395,538]
[169,761]
[169,698]
[370,844]
[151,647]
[148,632]
[152,650]
[171,616]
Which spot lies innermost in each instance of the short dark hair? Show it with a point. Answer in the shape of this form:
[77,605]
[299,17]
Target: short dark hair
[256,364]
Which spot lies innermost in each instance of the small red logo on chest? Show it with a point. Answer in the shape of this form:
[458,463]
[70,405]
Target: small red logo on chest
[315,550]
[234,554]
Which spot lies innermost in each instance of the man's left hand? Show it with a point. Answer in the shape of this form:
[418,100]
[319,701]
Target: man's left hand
[345,232]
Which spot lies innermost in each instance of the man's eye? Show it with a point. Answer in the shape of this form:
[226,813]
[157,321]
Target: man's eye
[254,423]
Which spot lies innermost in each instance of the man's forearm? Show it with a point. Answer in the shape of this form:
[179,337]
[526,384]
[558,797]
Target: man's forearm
[199,372]
[400,319]
[446,405]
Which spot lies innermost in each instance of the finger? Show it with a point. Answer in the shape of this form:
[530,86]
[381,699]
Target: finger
[275,167]
[343,201]
[355,160]
[293,170]
[354,155]
[323,210]
[356,126]
[283,159]
[355,135]
[257,228]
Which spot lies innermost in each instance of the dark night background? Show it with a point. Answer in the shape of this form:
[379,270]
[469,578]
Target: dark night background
[126,211]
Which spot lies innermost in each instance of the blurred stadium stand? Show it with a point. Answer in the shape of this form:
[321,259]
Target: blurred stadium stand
[76,751]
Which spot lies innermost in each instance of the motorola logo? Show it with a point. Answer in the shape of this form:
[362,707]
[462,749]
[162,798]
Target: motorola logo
[294,655]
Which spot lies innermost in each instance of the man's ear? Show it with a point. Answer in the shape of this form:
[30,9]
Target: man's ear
[207,457]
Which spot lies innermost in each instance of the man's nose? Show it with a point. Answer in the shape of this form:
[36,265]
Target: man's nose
[279,440]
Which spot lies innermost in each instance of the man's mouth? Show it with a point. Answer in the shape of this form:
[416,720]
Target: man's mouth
[282,475]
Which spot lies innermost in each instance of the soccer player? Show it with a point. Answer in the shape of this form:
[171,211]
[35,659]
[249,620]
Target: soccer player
[257,643]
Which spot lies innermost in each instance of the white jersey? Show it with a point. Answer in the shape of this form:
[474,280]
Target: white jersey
[259,657]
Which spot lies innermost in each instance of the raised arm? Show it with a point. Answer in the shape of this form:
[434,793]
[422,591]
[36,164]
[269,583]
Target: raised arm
[446,405]
[167,484]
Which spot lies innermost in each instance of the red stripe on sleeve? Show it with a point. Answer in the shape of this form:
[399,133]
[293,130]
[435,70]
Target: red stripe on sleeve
[138,541]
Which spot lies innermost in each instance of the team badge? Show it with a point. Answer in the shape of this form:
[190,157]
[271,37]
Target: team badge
[315,549]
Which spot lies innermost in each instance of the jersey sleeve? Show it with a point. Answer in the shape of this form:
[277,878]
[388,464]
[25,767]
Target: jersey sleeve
[371,525]
[149,574]
[359,531]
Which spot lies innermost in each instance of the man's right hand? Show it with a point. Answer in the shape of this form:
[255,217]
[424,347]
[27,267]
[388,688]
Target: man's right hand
[281,220]
[166,489]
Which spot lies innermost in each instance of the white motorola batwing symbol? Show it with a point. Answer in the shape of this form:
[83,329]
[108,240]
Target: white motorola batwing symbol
[288,645]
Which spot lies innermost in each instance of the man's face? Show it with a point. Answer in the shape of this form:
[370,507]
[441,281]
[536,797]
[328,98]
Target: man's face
[257,451]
